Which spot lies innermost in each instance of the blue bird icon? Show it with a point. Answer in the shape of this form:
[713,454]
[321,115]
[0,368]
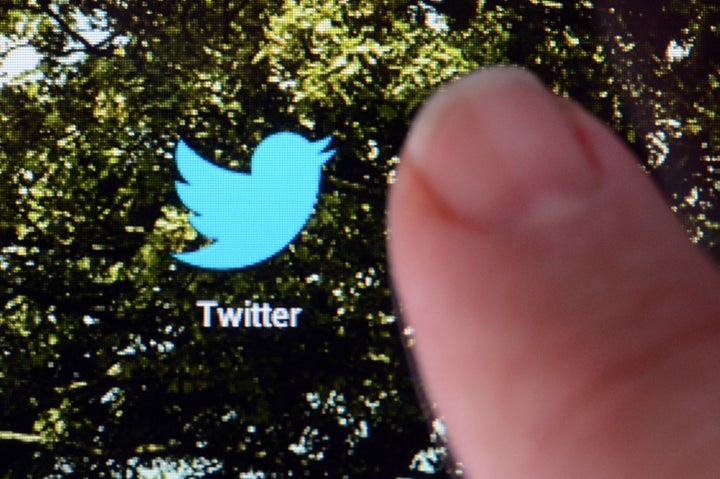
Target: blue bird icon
[250,217]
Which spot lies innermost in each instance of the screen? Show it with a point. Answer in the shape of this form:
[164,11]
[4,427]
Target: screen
[193,276]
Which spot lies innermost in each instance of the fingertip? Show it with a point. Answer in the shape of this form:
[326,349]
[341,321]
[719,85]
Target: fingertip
[495,145]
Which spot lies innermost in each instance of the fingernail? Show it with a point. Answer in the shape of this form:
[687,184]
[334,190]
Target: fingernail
[496,145]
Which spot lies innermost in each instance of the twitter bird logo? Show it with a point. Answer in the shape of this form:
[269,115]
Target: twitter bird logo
[252,216]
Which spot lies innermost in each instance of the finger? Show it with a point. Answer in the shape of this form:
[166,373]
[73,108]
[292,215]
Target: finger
[564,325]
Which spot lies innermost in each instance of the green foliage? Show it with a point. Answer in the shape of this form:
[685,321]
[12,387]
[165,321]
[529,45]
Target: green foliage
[651,70]
[104,364]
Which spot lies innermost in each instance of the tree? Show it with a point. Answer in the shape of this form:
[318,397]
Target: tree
[650,69]
[105,366]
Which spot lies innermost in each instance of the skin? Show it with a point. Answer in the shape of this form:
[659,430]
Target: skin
[565,326]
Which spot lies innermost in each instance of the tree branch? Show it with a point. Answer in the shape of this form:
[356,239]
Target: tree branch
[21,436]
[65,27]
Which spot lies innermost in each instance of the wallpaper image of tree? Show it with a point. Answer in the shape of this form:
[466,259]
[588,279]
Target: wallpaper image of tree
[106,369]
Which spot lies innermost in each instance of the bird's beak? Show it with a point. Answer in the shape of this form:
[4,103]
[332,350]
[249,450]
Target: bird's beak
[319,146]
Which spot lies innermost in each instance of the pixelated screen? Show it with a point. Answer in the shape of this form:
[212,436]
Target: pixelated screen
[193,277]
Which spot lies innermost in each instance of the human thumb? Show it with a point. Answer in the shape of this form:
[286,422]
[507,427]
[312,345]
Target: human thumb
[564,325]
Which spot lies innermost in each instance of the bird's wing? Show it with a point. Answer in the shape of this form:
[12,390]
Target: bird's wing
[213,193]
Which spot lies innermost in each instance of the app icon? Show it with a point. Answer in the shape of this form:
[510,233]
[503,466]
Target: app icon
[250,216]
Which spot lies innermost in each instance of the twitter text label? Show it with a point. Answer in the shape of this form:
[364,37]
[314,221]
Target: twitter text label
[251,315]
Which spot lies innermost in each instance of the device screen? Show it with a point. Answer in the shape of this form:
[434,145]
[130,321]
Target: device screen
[193,276]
